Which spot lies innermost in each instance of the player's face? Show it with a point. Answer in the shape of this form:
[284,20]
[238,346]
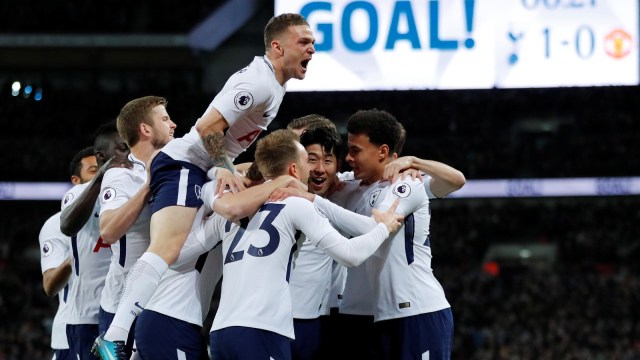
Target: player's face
[323,167]
[115,146]
[163,127]
[297,45]
[364,158]
[88,168]
[303,162]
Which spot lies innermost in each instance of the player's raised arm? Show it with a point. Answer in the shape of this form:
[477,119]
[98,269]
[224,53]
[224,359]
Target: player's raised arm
[75,214]
[348,252]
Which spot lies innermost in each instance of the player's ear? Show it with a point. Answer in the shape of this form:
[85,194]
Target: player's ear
[276,47]
[383,152]
[294,170]
[75,180]
[100,158]
[144,129]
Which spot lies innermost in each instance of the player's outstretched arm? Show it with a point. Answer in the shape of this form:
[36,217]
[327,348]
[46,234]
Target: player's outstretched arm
[235,206]
[74,216]
[354,251]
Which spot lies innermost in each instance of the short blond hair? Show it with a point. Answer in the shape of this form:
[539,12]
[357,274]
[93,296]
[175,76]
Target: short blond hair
[276,151]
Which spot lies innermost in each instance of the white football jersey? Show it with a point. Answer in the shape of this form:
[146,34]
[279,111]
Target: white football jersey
[310,281]
[357,296]
[317,281]
[257,263]
[400,274]
[55,248]
[338,272]
[91,258]
[336,289]
[186,288]
[249,101]
[118,186]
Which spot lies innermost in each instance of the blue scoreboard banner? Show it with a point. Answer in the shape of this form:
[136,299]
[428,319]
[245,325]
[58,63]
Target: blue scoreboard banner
[468,44]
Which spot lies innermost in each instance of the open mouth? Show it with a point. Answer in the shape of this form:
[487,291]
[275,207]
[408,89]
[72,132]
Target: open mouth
[317,181]
[305,63]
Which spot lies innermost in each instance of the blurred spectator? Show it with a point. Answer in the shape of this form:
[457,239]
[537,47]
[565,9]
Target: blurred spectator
[517,133]
[104,16]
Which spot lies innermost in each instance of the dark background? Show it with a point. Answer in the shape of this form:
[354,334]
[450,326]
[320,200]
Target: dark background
[582,304]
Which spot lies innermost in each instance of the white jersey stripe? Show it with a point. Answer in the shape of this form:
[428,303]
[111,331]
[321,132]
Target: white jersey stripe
[181,355]
[182,186]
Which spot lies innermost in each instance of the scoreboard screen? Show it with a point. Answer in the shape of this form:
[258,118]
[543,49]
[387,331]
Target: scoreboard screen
[468,44]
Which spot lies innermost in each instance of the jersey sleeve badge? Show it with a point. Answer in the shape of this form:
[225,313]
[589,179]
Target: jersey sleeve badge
[243,100]
[47,248]
[107,195]
[402,190]
[67,198]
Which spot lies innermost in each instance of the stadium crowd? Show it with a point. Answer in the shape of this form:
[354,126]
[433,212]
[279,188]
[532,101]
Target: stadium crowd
[103,17]
[486,134]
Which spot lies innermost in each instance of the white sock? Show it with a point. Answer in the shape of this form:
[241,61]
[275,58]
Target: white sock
[140,284]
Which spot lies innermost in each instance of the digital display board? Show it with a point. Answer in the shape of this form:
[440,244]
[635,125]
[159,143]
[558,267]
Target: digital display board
[495,188]
[468,44]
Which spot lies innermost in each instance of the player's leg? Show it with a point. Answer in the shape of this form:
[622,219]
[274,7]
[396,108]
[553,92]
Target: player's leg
[192,248]
[105,319]
[308,332]
[80,337]
[423,336]
[354,347]
[176,190]
[63,354]
[143,278]
[162,337]
[244,343]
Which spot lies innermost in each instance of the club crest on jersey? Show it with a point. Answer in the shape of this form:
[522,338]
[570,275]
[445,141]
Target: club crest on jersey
[374,197]
[47,248]
[198,191]
[67,198]
[243,100]
[402,190]
[107,195]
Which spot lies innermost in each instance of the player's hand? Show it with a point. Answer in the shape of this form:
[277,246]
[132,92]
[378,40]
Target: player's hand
[414,173]
[290,181]
[243,168]
[392,220]
[283,193]
[393,170]
[225,179]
